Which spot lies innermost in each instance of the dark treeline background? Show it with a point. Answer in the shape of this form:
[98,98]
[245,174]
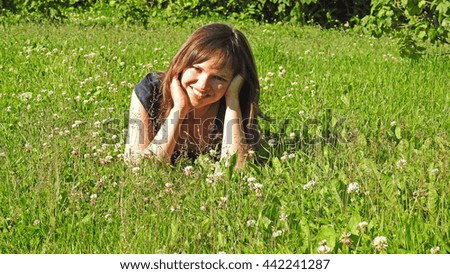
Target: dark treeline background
[412,22]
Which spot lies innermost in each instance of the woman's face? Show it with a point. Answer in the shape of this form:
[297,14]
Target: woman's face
[205,83]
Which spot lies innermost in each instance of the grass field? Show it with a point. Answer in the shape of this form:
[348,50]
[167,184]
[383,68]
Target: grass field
[358,148]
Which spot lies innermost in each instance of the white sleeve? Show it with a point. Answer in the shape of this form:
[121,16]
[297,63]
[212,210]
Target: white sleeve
[135,136]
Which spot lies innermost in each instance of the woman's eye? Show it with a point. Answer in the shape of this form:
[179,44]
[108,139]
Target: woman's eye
[218,78]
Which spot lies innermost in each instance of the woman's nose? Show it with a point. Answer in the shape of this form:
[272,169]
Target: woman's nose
[203,82]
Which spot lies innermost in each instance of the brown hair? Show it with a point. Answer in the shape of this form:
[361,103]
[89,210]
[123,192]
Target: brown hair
[234,51]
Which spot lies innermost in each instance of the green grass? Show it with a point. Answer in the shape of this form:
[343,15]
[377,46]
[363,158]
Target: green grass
[359,113]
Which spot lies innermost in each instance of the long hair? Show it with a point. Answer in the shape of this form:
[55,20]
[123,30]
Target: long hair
[233,50]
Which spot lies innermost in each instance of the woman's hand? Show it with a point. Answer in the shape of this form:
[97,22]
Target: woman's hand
[180,99]
[232,93]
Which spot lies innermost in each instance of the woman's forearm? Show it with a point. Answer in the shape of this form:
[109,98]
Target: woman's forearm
[233,134]
[164,142]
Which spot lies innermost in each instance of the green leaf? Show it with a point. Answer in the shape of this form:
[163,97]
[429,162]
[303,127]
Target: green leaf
[221,239]
[266,222]
[328,234]
[398,133]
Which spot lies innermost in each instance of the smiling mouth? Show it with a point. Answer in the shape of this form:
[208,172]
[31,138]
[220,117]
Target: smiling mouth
[199,94]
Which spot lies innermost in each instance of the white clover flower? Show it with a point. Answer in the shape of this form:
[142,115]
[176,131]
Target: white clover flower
[292,135]
[36,222]
[362,225]
[291,156]
[283,217]
[210,178]
[380,243]
[257,186]
[251,153]
[212,152]
[272,142]
[301,112]
[174,208]
[8,109]
[93,196]
[345,239]
[393,123]
[218,176]
[353,187]
[251,223]
[309,185]
[135,169]
[203,208]
[188,170]
[435,250]
[283,158]
[323,249]
[277,233]
[251,181]
[223,202]
[401,163]
[26,96]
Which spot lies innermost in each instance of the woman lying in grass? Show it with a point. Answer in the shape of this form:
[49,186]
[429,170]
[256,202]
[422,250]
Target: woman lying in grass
[207,99]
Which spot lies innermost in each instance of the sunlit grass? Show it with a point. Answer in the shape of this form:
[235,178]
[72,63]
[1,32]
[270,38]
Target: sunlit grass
[358,147]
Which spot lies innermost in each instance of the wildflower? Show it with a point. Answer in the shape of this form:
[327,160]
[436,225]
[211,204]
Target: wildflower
[146,200]
[223,202]
[277,233]
[108,216]
[251,223]
[28,147]
[168,188]
[393,123]
[323,248]
[435,250]
[251,153]
[353,187]
[210,178]
[272,142]
[218,176]
[292,136]
[97,124]
[270,74]
[283,158]
[292,155]
[283,217]
[301,112]
[36,222]
[345,239]
[106,160]
[380,243]
[174,208]
[135,169]
[93,198]
[203,208]
[309,185]
[251,181]
[401,163]
[188,170]
[435,170]
[8,109]
[362,226]
[212,152]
